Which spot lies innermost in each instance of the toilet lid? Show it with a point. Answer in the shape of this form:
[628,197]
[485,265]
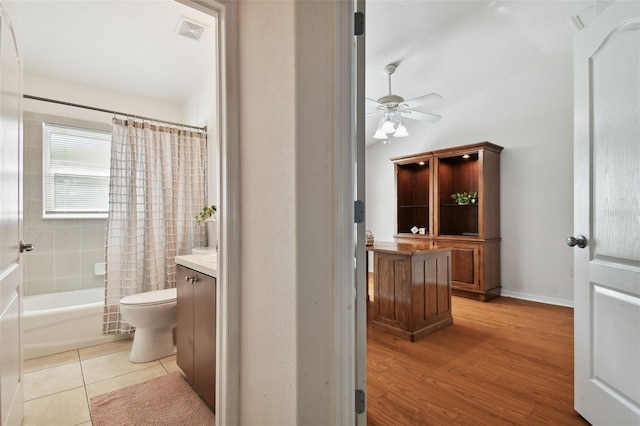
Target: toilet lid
[155,297]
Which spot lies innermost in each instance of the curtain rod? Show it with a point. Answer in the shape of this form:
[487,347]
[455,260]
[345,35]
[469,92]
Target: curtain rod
[37,98]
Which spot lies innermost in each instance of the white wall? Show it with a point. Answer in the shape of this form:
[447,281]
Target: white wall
[200,110]
[530,114]
[69,92]
[287,315]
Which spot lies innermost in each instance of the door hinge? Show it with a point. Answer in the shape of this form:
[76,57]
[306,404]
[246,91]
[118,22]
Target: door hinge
[358,211]
[360,398]
[358,21]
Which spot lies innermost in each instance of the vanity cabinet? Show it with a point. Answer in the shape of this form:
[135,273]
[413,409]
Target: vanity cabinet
[424,185]
[196,331]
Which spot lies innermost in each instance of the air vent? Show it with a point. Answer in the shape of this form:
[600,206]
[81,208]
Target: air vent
[190,29]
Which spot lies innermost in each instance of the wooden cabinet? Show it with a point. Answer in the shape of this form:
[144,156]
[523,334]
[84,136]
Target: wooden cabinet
[196,331]
[471,230]
[412,289]
[414,196]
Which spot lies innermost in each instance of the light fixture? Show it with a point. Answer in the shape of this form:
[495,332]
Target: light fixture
[392,124]
[387,124]
[401,131]
[466,156]
[380,134]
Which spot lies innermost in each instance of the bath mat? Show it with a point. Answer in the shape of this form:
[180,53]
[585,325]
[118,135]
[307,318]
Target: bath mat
[166,400]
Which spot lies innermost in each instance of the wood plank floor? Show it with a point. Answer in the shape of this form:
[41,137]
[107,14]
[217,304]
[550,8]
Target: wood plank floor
[502,362]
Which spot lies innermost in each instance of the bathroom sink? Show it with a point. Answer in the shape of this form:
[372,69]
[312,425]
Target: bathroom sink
[212,258]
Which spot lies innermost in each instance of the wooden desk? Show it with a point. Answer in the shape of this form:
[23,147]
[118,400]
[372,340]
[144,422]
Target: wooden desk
[412,288]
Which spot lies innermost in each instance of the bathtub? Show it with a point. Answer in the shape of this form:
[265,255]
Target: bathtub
[58,322]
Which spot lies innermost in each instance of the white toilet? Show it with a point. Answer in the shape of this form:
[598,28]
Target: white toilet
[153,314]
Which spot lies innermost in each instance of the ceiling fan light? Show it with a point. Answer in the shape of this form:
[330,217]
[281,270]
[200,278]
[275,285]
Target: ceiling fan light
[401,131]
[388,126]
[380,134]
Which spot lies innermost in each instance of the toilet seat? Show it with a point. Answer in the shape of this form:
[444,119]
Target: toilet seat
[150,298]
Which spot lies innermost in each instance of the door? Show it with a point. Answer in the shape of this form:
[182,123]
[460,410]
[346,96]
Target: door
[11,383]
[607,216]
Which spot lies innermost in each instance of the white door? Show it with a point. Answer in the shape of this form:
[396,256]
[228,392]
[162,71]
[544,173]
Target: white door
[607,214]
[11,387]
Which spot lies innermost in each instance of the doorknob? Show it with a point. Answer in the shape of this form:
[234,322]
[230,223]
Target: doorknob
[580,241]
[26,246]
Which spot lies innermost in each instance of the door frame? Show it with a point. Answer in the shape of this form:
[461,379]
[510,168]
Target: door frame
[228,190]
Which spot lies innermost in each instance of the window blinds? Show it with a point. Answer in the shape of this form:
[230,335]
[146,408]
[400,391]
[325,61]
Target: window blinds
[75,172]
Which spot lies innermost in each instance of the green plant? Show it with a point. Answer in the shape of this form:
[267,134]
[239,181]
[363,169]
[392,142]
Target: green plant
[465,197]
[206,213]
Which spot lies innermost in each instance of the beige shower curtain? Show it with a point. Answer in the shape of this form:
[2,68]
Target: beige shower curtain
[157,187]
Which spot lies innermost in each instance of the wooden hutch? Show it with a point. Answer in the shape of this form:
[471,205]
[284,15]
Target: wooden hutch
[424,185]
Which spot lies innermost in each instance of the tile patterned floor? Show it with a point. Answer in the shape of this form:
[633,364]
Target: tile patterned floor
[58,388]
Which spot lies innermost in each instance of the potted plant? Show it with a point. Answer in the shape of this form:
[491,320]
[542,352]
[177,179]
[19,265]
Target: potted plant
[208,216]
[465,197]
[206,213]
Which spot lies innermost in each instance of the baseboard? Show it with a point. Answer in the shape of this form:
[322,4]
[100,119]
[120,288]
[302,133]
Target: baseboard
[536,298]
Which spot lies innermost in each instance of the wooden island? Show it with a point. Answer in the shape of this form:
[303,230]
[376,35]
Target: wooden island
[412,288]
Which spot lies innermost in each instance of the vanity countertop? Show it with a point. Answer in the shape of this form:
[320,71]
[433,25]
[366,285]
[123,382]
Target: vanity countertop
[203,263]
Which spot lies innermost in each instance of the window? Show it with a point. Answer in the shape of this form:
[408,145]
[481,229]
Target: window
[75,172]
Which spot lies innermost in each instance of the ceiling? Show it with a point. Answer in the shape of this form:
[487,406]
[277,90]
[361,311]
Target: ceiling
[458,48]
[454,48]
[126,46]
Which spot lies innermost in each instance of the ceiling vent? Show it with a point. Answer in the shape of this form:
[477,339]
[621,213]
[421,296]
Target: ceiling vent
[190,29]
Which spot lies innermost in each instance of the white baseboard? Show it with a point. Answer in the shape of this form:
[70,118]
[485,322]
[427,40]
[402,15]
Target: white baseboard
[537,298]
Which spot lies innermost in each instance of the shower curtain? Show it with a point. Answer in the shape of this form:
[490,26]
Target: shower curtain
[157,187]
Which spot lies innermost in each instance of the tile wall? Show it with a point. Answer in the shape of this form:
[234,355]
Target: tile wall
[66,249]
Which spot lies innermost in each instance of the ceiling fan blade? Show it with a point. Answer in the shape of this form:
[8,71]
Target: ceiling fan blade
[421,100]
[373,102]
[422,116]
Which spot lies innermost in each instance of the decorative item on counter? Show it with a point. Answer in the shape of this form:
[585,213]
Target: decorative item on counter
[414,230]
[206,213]
[422,231]
[368,236]
[465,197]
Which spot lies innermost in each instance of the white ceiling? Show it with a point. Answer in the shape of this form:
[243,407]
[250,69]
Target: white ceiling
[454,48]
[126,46]
[458,48]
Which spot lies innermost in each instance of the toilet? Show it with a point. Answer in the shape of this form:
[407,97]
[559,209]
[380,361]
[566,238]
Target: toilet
[153,314]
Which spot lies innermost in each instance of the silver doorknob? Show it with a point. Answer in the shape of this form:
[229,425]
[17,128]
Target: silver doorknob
[580,241]
[26,246]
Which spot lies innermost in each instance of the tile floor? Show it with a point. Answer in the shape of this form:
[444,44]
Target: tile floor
[58,388]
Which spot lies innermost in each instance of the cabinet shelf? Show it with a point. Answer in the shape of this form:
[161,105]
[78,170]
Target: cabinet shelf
[424,184]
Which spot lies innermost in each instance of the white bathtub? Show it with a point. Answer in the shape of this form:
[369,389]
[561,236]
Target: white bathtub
[58,322]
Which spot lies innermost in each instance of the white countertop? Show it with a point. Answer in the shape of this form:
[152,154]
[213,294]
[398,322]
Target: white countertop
[208,266]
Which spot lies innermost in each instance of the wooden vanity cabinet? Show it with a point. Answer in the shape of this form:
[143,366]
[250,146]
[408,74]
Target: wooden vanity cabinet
[196,331]
[472,231]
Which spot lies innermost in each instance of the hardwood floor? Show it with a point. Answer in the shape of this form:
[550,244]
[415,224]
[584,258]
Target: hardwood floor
[502,362]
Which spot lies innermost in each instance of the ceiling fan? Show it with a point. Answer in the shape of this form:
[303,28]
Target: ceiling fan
[395,108]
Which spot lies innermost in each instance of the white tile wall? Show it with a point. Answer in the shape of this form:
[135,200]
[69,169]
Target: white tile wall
[66,250]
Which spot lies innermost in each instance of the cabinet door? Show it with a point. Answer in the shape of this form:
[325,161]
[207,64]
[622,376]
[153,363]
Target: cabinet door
[465,263]
[430,289]
[184,327]
[392,289]
[204,336]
